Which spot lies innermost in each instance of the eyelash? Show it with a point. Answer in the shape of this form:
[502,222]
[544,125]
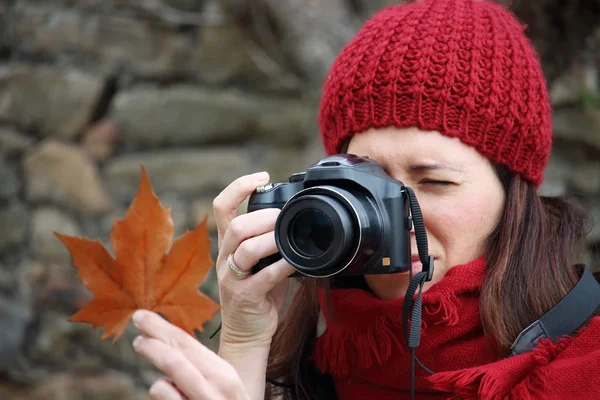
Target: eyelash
[441,183]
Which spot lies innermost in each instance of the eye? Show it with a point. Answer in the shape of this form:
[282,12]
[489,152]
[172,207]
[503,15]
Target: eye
[435,182]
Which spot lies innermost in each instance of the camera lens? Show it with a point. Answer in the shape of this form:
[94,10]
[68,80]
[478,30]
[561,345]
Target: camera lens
[318,231]
[311,233]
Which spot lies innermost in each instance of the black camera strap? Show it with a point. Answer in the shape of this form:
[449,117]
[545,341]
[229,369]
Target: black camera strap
[412,307]
[565,317]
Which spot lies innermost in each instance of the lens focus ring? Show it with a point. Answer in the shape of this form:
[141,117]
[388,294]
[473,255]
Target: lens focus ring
[317,233]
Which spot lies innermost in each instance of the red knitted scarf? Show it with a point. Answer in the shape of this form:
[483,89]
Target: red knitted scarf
[364,349]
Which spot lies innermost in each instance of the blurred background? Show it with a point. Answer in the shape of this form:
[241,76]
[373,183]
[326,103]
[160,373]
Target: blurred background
[200,92]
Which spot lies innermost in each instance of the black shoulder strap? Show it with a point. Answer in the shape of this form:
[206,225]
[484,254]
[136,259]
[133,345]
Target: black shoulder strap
[565,317]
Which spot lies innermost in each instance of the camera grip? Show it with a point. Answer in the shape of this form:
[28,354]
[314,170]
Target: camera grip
[275,197]
[254,205]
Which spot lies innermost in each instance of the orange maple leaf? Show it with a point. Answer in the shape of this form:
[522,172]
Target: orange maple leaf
[143,275]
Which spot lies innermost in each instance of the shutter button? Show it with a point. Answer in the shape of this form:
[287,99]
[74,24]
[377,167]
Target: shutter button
[264,188]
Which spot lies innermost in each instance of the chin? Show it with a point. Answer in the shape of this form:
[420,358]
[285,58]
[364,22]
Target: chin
[389,286]
[394,286]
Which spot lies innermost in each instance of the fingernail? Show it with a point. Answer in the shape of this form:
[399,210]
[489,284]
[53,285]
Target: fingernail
[137,341]
[261,176]
[137,318]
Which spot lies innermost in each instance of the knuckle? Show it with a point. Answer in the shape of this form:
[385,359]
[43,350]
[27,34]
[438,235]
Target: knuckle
[172,342]
[171,362]
[183,339]
[271,275]
[217,204]
[227,388]
[245,251]
[236,227]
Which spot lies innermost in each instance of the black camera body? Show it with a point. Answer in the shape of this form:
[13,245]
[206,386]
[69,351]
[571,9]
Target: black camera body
[343,216]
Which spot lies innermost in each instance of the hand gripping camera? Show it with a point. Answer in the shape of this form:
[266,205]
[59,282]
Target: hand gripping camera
[343,216]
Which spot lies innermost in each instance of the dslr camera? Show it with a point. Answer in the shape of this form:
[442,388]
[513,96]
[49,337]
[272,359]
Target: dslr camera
[343,216]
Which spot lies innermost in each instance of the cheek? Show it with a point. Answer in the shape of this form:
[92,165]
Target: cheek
[461,223]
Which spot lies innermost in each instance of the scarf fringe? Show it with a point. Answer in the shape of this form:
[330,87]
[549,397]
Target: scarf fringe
[536,384]
[531,389]
[340,354]
[483,383]
[470,384]
[445,307]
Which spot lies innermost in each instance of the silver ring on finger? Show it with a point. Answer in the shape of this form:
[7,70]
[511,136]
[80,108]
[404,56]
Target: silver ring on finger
[234,268]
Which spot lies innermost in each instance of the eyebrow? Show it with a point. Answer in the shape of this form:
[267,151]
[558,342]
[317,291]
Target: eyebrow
[432,167]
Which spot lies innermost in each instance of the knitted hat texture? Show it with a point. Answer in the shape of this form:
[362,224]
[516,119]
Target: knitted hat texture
[464,68]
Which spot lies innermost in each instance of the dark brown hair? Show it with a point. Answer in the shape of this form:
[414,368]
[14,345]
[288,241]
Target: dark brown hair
[530,255]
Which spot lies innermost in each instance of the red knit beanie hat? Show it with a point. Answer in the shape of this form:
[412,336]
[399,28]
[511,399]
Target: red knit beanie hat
[461,67]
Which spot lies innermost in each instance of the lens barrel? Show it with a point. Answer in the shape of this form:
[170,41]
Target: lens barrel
[321,230]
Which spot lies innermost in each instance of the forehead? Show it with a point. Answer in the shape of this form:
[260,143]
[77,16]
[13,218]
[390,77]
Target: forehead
[410,145]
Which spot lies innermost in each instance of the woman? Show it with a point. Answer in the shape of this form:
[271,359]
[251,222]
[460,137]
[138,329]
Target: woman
[448,95]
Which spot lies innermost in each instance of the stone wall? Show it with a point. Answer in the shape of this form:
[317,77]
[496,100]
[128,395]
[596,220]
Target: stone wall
[91,89]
